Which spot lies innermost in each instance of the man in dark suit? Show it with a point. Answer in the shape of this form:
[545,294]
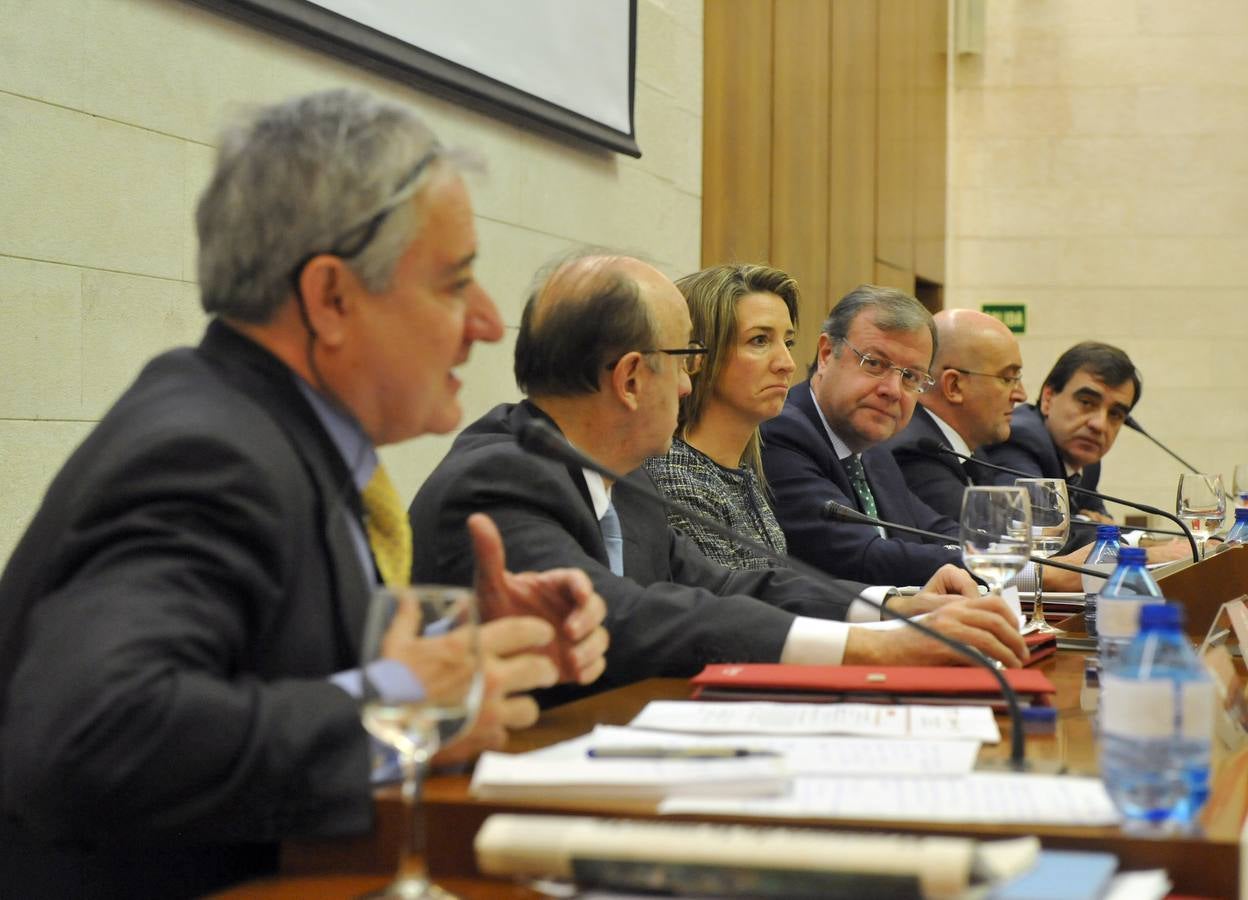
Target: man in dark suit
[978,370]
[872,364]
[178,625]
[603,354]
[1083,404]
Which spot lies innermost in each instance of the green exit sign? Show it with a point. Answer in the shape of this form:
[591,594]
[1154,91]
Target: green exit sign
[1014,315]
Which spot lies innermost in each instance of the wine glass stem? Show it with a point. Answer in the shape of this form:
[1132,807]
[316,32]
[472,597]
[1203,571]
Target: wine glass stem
[1037,611]
[411,845]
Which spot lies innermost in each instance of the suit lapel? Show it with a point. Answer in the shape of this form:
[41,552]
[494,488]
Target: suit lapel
[804,402]
[525,412]
[928,424]
[268,381]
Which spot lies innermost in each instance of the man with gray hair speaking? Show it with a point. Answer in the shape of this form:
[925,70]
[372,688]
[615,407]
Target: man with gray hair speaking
[179,624]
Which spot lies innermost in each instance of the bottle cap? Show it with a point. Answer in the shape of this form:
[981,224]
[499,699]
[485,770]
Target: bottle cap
[1039,719]
[1161,615]
[1241,514]
[1107,532]
[1132,556]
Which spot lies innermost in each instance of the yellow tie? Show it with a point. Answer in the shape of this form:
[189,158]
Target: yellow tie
[389,532]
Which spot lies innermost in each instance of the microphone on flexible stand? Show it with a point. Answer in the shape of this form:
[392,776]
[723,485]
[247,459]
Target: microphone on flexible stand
[1136,426]
[930,447]
[839,512]
[544,440]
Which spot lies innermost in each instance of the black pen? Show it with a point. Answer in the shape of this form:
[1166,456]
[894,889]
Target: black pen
[676,752]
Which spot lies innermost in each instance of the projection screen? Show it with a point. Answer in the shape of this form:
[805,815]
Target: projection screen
[568,64]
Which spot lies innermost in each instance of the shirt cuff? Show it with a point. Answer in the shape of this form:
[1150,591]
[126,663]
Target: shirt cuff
[813,642]
[393,681]
[864,611]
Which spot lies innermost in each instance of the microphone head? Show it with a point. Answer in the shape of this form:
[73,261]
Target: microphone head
[839,512]
[1133,425]
[931,447]
[543,439]
[538,436]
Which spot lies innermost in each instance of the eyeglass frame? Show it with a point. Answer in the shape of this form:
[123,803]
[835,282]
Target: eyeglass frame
[694,353]
[370,225]
[1010,381]
[921,388]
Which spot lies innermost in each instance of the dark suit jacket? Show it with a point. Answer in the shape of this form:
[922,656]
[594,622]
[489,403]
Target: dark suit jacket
[804,473]
[672,613]
[939,481]
[166,628]
[1030,448]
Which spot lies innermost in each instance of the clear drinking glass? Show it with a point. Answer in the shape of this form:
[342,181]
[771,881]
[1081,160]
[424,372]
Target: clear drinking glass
[1201,504]
[996,533]
[415,719]
[1050,526]
[1240,484]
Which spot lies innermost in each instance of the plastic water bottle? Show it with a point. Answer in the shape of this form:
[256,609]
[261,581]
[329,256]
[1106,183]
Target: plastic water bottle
[1103,556]
[1239,531]
[1156,723]
[1129,588]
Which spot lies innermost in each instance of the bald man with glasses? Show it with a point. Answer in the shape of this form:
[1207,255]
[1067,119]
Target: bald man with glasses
[978,371]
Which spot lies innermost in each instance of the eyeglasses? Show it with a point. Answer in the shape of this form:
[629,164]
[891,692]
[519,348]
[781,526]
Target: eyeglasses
[1010,381]
[691,357]
[912,380]
[368,228]
[353,240]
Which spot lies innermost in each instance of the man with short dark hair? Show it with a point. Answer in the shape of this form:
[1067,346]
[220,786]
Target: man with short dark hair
[604,355]
[180,624]
[871,366]
[1083,404]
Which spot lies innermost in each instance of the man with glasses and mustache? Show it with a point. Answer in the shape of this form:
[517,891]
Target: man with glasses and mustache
[871,367]
[180,625]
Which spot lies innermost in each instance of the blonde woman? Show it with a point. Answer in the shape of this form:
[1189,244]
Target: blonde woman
[746,316]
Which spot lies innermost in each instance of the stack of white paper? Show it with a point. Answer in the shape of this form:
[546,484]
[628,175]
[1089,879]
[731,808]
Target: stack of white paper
[974,723]
[803,755]
[503,776]
[985,797]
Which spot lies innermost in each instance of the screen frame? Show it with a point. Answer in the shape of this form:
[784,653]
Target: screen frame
[329,32]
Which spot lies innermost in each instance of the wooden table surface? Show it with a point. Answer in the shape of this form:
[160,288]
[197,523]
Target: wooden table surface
[1206,866]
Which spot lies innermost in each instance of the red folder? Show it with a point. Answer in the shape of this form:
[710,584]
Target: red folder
[955,685]
[1040,645]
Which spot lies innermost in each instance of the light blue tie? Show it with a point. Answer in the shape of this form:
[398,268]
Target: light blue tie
[613,539]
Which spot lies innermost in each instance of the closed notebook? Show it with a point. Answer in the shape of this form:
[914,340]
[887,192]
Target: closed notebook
[885,684]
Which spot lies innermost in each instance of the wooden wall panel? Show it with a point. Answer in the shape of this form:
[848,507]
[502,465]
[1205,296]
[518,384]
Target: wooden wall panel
[931,138]
[736,131]
[852,161]
[824,143]
[895,134]
[895,277]
[799,154]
